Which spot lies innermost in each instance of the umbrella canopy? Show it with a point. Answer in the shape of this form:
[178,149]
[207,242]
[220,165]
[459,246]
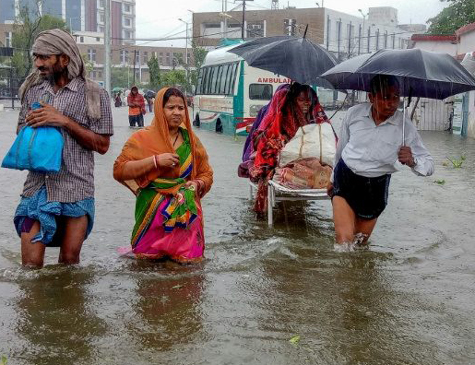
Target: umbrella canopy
[116,89]
[296,58]
[149,94]
[420,73]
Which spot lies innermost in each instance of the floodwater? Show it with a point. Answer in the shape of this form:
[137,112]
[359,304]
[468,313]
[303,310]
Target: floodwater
[409,299]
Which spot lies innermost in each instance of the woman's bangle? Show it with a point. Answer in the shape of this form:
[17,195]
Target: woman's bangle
[155,161]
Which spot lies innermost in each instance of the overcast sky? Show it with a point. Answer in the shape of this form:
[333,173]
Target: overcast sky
[159,18]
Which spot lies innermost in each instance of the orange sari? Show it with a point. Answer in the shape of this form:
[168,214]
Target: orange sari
[153,240]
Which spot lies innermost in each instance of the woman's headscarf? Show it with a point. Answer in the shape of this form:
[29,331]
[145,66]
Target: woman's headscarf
[154,140]
[248,145]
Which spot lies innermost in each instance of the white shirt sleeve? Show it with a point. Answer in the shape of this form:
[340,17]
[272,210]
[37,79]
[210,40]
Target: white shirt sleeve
[343,138]
[424,161]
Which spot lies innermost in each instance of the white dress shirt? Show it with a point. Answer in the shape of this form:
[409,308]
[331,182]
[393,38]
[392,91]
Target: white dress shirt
[371,150]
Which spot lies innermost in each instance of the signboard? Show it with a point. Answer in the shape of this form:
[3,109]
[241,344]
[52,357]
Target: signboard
[458,114]
[6,51]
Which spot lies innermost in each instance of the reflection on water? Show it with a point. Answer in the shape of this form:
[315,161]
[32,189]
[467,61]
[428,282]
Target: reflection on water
[54,318]
[168,306]
[408,300]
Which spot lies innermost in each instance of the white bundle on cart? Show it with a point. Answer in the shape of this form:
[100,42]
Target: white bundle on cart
[306,160]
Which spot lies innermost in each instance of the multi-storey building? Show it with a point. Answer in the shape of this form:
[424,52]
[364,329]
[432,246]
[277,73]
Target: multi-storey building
[343,34]
[80,15]
[169,58]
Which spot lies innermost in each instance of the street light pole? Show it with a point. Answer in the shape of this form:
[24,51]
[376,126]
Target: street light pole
[364,19]
[186,52]
[107,47]
[243,17]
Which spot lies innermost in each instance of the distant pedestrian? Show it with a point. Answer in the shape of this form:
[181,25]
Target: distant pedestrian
[150,101]
[58,209]
[117,100]
[136,103]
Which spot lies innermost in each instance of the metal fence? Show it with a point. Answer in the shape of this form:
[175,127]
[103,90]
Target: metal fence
[9,85]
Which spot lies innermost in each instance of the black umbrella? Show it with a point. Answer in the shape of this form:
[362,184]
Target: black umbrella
[420,73]
[296,58]
[150,94]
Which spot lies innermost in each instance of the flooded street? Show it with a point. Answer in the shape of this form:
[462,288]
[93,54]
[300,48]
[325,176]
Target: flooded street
[408,300]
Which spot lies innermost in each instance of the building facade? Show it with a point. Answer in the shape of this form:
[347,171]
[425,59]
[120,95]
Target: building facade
[169,58]
[80,15]
[343,34]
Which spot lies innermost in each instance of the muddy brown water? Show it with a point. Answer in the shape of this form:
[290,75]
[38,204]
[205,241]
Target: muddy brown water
[408,300]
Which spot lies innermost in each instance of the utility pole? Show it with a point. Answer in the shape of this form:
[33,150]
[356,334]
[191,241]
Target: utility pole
[243,17]
[135,59]
[186,52]
[107,46]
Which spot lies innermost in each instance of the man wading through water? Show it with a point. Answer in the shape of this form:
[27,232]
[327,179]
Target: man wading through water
[369,146]
[58,209]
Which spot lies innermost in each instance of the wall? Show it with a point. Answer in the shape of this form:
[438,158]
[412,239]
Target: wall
[437,46]
[466,42]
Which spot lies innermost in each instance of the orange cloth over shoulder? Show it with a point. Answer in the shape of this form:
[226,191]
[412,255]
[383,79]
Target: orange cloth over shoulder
[154,140]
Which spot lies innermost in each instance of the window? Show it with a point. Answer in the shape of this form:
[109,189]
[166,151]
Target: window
[199,81]
[214,79]
[127,22]
[124,56]
[209,80]
[98,39]
[91,55]
[145,57]
[8,39]
[102,4]
[81,39]
[231,78]
[168,59]
[223,79]
[126,8]
[260,91]
[127,34]
[101,18]
[204,80]
[234,77]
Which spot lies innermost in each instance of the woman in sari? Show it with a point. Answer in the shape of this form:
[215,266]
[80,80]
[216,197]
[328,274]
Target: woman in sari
[288,111]
[166,166]
[249,151]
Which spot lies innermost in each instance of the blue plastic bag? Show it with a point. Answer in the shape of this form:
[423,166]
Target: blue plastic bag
[36,149]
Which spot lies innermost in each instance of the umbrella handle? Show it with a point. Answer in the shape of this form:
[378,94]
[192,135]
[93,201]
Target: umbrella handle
[404,123]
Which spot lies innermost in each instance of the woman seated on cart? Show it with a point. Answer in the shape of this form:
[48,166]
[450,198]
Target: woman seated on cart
[289,109]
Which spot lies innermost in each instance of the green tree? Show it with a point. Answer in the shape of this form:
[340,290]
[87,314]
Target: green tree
[457,14]
[175,78]
[119,77]
[28,25]
[199,54]
[154,71]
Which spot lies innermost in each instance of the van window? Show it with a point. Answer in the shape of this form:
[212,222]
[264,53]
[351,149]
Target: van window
[214,80]
[204,80]
[260,91]
[224,77]
[232,78]
[199,82]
